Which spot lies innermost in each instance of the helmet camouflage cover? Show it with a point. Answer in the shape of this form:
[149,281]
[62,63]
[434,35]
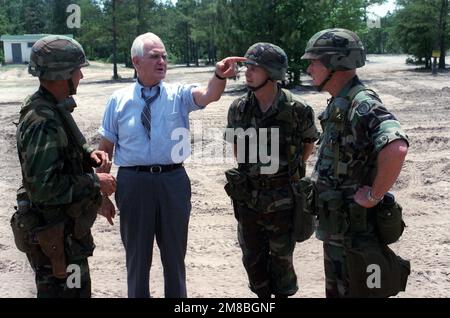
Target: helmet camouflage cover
[270,57]
[55,57]
[338,49]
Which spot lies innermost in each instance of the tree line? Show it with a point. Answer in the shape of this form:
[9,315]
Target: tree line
[204,31]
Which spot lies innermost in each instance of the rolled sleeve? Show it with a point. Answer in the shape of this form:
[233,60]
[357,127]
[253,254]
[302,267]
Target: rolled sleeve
[381,126]
[188,97]
[387,132]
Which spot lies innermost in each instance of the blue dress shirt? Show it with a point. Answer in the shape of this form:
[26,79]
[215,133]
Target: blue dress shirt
[170,139]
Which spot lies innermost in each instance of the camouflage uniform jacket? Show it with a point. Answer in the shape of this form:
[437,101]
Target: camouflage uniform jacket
[56,171]
[295,121]
[351,141]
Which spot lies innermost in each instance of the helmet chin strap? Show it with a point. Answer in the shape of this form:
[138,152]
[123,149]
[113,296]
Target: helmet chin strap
[325,81]
[72,90]
[254,89]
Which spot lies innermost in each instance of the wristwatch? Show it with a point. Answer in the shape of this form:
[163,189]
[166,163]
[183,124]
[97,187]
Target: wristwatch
[219,77]
[371,198]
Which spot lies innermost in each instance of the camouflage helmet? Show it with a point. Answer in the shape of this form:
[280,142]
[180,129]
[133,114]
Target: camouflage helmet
[337,49]
[55,57]
[270,57]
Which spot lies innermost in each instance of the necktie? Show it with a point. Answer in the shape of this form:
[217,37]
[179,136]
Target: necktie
[146,115]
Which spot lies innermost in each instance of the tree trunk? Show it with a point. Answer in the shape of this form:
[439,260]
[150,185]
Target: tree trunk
[442,32]
[210,62]
[114,29]
[139,26]
[195,47]
[188,47]
[140,23]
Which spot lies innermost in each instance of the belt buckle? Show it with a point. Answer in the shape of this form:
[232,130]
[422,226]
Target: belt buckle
[157,170]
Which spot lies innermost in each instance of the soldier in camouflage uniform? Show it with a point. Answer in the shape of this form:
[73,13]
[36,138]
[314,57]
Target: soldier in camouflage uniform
[61,194]
[263,202]
[361,154]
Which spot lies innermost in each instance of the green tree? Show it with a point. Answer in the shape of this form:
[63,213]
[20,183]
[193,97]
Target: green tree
[421,27]
[186,45]
[204,32]
[34,16]
[59,16]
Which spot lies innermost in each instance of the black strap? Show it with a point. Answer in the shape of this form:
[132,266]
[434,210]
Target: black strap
[155,168]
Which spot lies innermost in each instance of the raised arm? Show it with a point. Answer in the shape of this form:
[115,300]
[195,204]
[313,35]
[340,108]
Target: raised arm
[224,69]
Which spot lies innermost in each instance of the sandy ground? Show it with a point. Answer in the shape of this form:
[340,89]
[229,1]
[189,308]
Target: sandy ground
[214,268]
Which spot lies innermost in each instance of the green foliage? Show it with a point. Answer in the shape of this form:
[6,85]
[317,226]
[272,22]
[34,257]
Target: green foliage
[383,40]
[196,31]
[421,26]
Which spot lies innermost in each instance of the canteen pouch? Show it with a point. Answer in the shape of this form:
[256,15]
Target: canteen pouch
[23,222]
[390,225]
[21,225]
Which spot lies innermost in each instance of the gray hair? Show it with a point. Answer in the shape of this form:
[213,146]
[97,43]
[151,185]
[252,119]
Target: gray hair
[137,49]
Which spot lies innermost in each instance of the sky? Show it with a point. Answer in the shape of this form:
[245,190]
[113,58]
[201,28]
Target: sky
[381,10]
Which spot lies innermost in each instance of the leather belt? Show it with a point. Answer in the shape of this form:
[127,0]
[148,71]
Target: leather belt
[155,168]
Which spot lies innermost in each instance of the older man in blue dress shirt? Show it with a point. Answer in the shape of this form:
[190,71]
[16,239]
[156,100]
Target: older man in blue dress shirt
[153,190]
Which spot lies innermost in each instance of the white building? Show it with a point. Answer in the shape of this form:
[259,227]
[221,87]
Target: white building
[17,48]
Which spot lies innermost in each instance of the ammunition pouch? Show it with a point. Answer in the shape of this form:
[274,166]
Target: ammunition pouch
[357,217]
[389,224]
[303,216]
[331,214]
[51,241]
[376,271]
[237,186]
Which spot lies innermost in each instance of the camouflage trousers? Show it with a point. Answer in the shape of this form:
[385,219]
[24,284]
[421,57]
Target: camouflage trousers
[336,276]
[48,286]
[267,247]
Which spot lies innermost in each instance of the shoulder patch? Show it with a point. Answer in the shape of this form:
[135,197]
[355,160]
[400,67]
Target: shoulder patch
[363,108]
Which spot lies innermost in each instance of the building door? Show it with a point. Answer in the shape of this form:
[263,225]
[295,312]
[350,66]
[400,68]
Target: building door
[16,53]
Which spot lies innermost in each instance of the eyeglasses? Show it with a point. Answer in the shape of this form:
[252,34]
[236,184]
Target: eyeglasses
[155,56]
